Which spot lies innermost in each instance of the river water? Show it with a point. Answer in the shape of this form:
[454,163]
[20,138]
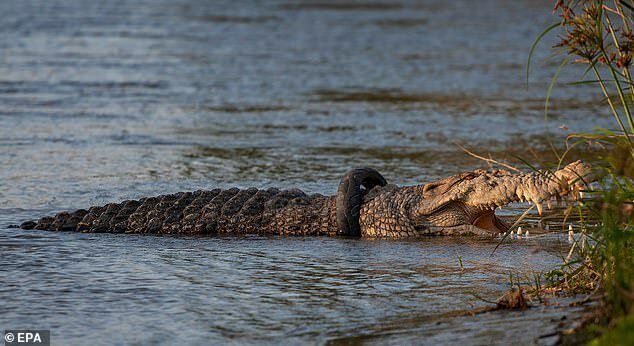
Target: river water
[102,101]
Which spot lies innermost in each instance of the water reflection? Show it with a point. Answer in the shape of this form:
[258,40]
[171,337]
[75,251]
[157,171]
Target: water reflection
[265,288]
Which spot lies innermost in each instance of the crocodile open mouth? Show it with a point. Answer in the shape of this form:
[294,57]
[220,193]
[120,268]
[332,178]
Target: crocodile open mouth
[487,219]
[540,189]
[466,202]
[490,222]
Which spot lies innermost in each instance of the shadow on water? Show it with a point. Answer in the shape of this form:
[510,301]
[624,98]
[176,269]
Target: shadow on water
[401,22]
[343,6]
[238,19]
[459,104]
[241,109]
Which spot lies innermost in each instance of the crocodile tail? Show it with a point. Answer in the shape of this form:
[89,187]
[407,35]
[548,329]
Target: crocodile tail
[146,215]
[198,212]
[64,221]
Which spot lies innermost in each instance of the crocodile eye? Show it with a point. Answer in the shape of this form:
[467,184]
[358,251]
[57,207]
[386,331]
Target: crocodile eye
[469,176]
[442,186]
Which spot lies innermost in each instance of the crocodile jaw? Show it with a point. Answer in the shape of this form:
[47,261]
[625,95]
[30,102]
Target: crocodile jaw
[470,199]
[497,189]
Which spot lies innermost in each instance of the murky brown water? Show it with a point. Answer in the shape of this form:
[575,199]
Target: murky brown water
[107,100]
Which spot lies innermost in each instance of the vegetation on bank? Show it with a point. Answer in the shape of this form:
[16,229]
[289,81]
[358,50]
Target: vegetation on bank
[599,35]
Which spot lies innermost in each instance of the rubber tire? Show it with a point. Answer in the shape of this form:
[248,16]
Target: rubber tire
[349,198]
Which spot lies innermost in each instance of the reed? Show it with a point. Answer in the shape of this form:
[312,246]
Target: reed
[598,34]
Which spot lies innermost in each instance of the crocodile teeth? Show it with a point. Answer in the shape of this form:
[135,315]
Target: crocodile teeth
[537,203]
[540,209]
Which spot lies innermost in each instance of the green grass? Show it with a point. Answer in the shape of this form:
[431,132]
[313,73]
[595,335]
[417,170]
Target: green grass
[622,333]
[599,34]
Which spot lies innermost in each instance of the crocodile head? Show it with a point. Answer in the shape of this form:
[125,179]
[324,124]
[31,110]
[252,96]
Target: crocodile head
[466,202]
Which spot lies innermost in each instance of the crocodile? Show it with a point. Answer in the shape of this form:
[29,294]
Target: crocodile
[365,206]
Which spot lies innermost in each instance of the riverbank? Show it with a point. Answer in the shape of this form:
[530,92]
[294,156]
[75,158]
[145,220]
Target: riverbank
[599,35]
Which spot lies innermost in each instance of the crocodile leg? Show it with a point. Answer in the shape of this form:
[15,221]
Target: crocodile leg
[349,198]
